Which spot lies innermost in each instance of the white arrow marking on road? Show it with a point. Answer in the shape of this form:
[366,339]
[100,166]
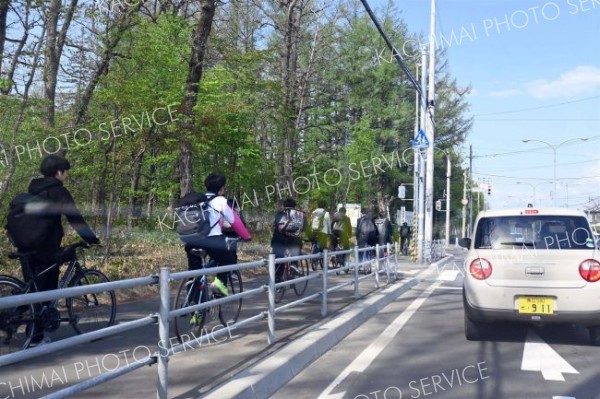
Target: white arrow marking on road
[539,356]
[448,275]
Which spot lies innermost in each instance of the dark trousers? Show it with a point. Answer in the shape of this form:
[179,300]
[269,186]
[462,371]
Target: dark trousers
[46,282]
[216,247]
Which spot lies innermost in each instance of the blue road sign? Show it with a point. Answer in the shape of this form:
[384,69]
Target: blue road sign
[420,141]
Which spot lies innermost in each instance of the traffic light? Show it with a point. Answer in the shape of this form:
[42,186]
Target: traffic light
[489,189]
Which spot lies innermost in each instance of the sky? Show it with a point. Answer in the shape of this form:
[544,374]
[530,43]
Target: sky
[534,70]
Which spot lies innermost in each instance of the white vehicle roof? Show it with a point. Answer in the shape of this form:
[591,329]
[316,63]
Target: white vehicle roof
[531,211]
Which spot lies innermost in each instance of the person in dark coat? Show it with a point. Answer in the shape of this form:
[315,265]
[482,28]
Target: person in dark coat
[54,169]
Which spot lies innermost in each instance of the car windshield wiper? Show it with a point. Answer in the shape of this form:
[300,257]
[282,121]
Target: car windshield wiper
[528,244]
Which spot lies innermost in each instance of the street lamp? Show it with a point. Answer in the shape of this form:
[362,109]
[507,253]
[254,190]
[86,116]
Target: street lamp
[554,148]
[534,186]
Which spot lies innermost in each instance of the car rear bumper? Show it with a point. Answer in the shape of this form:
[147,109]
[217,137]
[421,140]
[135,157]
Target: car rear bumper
[490,315]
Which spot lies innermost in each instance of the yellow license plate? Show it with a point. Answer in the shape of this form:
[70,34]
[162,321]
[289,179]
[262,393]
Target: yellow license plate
[536,305]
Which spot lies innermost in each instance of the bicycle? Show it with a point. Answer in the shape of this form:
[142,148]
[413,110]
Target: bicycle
[291,271]
[316,262]
[339,261]
[86,313]
[196,290]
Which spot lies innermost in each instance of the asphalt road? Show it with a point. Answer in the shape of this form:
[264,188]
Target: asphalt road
[191,373]
[415,348]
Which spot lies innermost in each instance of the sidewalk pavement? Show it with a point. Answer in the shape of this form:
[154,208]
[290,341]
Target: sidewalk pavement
[269,375]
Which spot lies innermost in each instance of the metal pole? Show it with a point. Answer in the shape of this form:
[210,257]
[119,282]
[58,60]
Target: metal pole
[470,191]
[464,208]
[271,312]
[448,175]
[163,333]
[356,260]
[554,151]
[324,294]
[377,265]
[421,201]
[430,129]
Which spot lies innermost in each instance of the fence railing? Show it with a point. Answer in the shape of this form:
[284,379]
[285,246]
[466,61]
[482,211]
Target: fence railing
[380,264]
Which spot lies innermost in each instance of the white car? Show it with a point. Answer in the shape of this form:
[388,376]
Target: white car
[532,265]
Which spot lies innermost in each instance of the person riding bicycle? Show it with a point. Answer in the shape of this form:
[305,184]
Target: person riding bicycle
[366,233]
[288,228]
[385,232]
[341,229]
[51,187]
[404,237]
[321,226]
[213,240]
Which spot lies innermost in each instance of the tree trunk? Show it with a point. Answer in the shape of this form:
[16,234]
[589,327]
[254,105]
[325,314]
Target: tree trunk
[3,16]
[55,42]
[135,183]
[192,87]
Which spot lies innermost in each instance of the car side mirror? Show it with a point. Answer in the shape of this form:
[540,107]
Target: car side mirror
[465,242]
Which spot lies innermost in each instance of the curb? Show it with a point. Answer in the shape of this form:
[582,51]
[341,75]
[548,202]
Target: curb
[265,378]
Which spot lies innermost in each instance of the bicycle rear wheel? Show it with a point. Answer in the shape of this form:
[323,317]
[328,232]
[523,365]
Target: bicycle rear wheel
[315,262]
[91,312]
[189,293]
[230,311]
[16,324]
[280,291]
[299,269]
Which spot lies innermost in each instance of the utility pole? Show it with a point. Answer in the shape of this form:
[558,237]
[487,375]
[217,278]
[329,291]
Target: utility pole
[464,204]
[429,130]
[421,201]
[470,191]
[448,175]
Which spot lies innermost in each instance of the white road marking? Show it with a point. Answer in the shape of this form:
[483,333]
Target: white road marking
[539,356]
[366,357]
[563,397]
[448,275]
[449,288]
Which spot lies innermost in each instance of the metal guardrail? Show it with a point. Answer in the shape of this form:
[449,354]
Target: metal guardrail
[379,264]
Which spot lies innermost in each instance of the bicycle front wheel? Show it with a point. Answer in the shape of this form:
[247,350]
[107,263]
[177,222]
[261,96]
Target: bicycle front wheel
[297,270]
[16,324]
[91,312]
[190,325]
[230,311]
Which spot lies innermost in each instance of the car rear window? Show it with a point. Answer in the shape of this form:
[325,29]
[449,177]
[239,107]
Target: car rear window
[536,231]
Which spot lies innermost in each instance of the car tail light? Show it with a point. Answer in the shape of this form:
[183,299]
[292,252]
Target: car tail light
[480,268]
[589,270]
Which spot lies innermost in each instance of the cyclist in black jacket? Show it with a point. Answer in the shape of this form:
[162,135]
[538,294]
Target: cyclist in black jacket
[54,168]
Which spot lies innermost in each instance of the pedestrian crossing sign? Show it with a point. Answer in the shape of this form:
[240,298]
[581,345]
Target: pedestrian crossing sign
[420,141]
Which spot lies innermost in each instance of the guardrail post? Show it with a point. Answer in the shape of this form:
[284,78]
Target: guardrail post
[271,291]
[356,261]
[377,265]
[163,333]
[396,244]
[386,261]
[325,274]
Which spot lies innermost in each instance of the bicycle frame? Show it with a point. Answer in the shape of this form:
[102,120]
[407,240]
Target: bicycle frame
[64,280]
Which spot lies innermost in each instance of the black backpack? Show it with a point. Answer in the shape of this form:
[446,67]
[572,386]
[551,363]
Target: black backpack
[367,230]
[29,220]
[192,216]
[381,231]
[404,231]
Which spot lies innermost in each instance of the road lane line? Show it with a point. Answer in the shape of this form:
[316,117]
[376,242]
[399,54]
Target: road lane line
[448,275]
[370,353]
[539,356]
